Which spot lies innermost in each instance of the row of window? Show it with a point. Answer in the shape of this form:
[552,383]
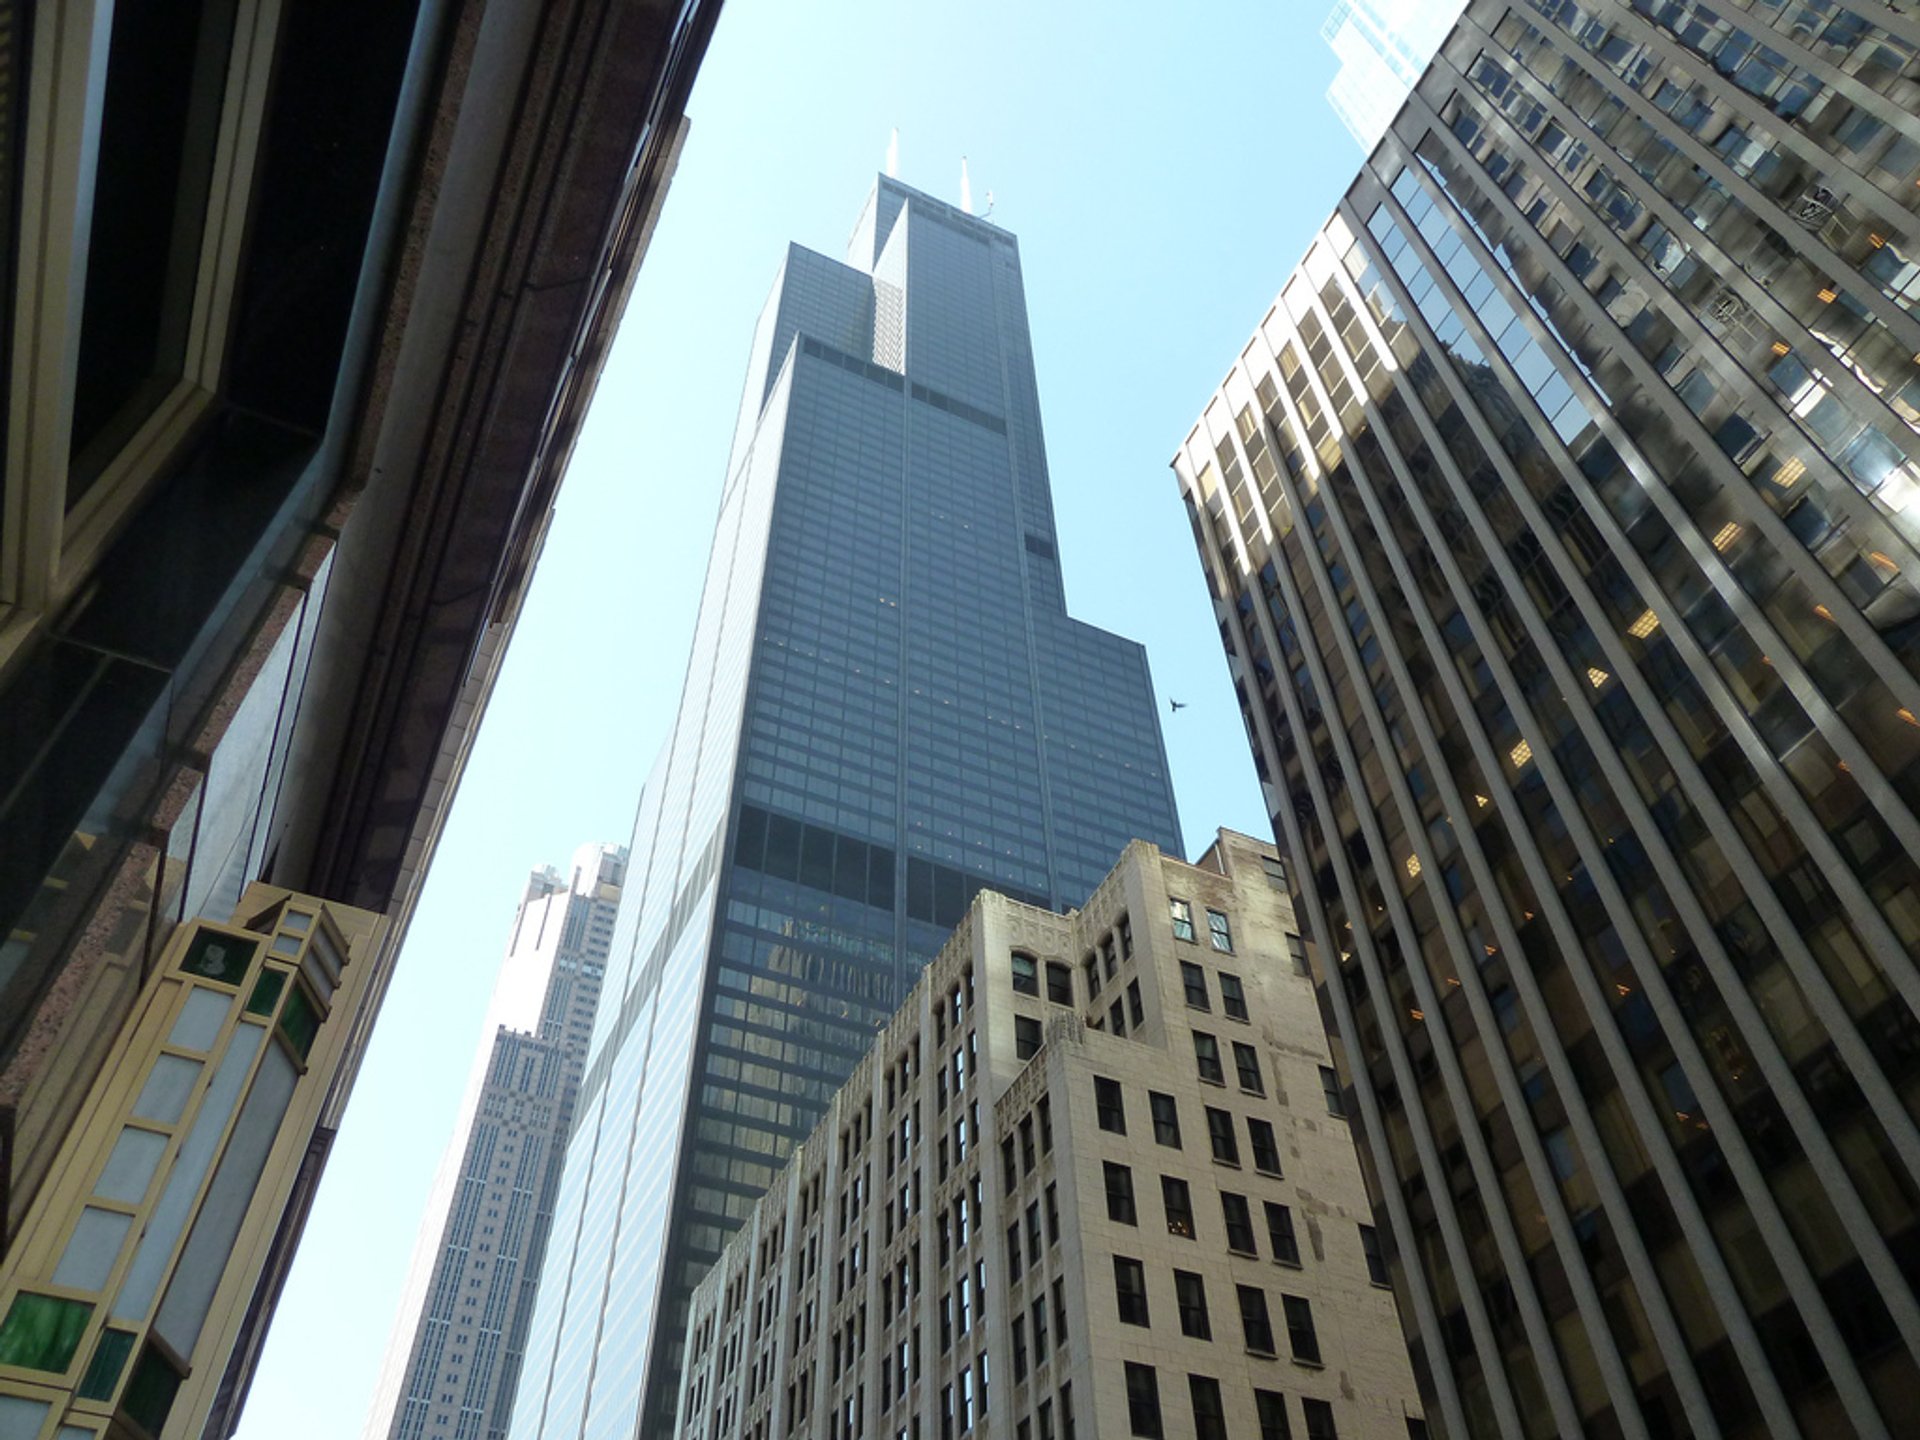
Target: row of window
[1219,929]
[1209,1411]
[1190,1292]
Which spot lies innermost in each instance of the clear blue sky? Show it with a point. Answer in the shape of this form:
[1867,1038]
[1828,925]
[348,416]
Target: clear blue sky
[1163,167]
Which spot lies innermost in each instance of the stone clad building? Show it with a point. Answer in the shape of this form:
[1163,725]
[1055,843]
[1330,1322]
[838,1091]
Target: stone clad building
[1093,1179]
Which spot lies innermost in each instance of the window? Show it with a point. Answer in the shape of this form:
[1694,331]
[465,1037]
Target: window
[1182,914]
[1246,1063]
[1190,1291]
[1124,929]
[1108,962]
[1219,931]
[1059,983]
[1301,1336]
[1033,1233]
[1239,1223]
[1044,1415]
[1026,1036]
[1135,1007]
[1254,1323]
[1206,1056]
[1179,1203]
[1039,1313]
[1130,1290]
[1233,999]
[1143,1401]
[1007,1167]
[1166,1118]
[1220,1132]
[1107,1104]
[1120,1193]
[1286,1248]
[1053,1214]
[1266,1150]
[1297,953]
[1019,1331]
[1376,1257]
[1276,869]
[1091,967]
[1013,1252]
[1046,1125]
[1026,1145]
[1319,1419]
[1195,981]
[1060,1312]
[1209,1417]
[1117,1018]
[1026,974]
[1271,1407]
[1330,1086]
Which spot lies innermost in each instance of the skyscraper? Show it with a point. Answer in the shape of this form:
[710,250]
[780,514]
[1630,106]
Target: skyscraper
[453,1363]
[1091,1180]
[887,707]
[1562,517]
[1382,46]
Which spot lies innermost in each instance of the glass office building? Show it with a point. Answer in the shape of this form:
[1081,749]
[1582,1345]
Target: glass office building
[887,707]
[1562,518]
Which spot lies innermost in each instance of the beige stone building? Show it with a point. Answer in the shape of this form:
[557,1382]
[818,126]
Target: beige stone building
[1092,1180]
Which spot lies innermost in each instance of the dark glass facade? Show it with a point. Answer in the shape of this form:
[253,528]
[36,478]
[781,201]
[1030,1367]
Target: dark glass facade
[1561,519]
[887,707]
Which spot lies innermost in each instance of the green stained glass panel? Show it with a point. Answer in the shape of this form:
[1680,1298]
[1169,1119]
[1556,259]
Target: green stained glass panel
[299,1022]
[266,990]
[218,957]
[109,1359]
[150,1392]
[41,1332]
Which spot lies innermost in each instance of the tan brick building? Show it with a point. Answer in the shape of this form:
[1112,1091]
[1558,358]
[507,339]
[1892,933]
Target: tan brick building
[1092,1180]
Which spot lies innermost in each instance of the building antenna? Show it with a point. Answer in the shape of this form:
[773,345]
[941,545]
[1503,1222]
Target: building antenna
[966,188]
[893,155]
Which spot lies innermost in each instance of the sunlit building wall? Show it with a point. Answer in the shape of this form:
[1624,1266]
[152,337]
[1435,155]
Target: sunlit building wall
[453,1361]
[1094,1179]
[1561,520]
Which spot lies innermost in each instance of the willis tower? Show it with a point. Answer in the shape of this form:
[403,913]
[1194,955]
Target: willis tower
[887,708]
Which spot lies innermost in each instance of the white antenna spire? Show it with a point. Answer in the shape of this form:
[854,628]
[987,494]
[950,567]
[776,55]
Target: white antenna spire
[893,155]
[966,187]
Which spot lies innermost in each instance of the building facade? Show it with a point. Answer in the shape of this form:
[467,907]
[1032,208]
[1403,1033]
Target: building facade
[1092,1180]
[886,708]
[1563,523]
[298,320]
[453,1362]
[1382,46]
[126,1287]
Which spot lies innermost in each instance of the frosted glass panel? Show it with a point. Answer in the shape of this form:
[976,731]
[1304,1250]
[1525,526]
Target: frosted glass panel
[190,1167]
[130,1167]
[20,1419]
[164,1096]
[199,1023]
[190,1293]
[95,1245]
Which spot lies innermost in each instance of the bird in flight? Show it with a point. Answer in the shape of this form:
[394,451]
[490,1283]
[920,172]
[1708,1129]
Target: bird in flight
[1176,706]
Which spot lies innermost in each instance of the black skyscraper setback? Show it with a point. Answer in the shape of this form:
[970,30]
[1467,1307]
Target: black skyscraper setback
[886,708]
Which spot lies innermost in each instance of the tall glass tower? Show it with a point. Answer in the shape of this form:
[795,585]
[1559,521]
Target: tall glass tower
[1563,520]
[887,707]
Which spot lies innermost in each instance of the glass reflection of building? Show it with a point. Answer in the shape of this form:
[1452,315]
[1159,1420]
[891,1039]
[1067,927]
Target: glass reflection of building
[1382,46]
[1562,521]
[886,708]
